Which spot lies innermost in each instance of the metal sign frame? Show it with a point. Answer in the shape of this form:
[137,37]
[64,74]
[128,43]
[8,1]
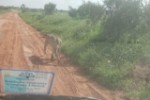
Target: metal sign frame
[35,71]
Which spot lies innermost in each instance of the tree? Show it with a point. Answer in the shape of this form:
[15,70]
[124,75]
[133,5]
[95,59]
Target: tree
[113,5]
[23,8]
[92,11]
[49,8]
[147,13]
[72,12]
[123,15]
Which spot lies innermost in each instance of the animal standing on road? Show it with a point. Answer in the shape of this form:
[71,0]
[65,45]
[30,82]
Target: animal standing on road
[55,43]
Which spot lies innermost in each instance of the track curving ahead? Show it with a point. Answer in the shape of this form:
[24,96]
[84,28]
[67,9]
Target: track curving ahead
[21,47]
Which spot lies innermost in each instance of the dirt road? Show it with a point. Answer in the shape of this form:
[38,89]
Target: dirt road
[21,47]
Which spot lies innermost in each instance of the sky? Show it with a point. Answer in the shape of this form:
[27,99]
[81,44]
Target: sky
[60,4]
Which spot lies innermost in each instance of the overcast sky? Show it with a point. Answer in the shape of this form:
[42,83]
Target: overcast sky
[61,4]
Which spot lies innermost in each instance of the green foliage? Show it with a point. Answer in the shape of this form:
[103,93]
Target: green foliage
[23,8]
[49,8]
[123,16]
[113,5]
[144,94]
[4,9]
[72,12]
[88,10]
[147,13]
[109,49]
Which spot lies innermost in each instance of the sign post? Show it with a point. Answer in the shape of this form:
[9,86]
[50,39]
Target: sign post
[26,82]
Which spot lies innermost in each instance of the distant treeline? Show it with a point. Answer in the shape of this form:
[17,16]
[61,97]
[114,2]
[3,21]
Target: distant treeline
[8,7]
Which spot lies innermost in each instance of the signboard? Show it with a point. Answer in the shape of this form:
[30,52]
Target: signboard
[26,82]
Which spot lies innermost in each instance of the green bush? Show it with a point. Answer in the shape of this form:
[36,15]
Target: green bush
[109,62]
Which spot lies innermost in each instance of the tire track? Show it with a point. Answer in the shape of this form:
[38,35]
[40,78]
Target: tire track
[22,42]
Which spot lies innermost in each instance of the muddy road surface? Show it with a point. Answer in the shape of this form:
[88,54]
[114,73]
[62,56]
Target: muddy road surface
[21,47]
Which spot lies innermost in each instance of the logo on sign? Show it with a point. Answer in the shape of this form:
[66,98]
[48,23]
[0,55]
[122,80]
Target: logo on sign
[26,75]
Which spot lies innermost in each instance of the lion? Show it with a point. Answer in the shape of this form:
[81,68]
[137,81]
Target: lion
[55,43]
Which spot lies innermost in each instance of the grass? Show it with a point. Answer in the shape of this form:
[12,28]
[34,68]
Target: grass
[109,63]
[4,10]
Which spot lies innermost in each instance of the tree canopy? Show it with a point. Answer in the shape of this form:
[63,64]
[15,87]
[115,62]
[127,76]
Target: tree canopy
[49,8]
[23,7]
[88,10]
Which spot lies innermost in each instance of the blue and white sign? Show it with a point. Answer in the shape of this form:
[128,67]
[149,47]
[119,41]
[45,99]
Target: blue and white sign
[26,82]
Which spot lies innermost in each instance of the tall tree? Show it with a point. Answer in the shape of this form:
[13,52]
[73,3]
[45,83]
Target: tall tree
[49,8]
[92,11]
[23,7]
[72,12]
[147,13]
[123,15]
